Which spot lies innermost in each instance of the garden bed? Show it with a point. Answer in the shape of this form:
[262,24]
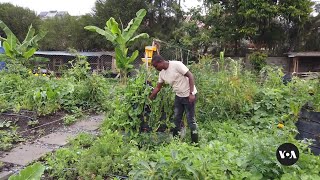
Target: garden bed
[26,126]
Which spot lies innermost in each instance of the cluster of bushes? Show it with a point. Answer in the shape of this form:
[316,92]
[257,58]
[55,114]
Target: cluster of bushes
[77,90]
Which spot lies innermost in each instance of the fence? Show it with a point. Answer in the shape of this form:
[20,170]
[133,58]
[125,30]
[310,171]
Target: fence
[105,61]
[172,51]
[99,61]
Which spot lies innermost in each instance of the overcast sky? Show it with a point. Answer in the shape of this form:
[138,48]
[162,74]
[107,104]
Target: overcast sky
[74,7]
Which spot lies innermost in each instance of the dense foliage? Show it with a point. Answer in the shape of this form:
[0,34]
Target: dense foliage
[278,26]
[237,112]
[76,90]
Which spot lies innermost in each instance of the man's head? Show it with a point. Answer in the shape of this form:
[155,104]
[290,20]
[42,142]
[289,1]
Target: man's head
[158,62]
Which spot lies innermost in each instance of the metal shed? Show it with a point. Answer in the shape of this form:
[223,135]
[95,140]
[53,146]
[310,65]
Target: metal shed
[99,61]
[304,63]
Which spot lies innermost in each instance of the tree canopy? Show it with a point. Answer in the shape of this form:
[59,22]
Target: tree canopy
[278,26]
[18,19]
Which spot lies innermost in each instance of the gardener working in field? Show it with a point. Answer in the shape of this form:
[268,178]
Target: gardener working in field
[181,79]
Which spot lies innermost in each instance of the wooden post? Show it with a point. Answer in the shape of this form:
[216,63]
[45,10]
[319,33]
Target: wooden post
[297,65]
[294,64]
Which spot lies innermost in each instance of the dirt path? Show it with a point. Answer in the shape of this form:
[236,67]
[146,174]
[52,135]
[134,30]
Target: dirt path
[25,153]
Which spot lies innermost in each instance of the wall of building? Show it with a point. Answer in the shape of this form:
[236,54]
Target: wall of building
[282,62]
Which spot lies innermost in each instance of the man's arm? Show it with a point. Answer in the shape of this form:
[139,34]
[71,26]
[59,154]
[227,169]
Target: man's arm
[155,91]
[191,80]
[191,86]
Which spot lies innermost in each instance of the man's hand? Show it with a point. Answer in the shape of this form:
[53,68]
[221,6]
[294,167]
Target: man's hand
[192,98]
[155,91]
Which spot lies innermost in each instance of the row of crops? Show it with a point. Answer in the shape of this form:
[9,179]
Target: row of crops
[238,112]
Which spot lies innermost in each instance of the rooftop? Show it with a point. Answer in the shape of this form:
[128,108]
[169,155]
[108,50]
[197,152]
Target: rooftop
[65,53]
[304,54]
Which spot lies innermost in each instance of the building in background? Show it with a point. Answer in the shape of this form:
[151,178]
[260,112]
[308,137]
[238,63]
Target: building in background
[52,14]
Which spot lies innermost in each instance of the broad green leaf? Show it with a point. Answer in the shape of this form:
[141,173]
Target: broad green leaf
[120,59]
[133,56]
[107,33]
[113,26]
[2,39]
[12,41]
[39,36]
[29,53]
[145,165]
[8,50]
[142,35]
[192,170]
[30,34]
[6,29]
[32,172]
[31,43]
[135,25]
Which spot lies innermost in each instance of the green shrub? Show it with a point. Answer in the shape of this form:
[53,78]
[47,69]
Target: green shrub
[258,60]
[108,156]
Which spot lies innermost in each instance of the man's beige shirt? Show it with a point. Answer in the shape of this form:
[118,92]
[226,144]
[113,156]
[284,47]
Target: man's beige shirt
[174,75]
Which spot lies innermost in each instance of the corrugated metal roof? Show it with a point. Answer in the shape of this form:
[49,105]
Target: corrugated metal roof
[304,54]
[65,53]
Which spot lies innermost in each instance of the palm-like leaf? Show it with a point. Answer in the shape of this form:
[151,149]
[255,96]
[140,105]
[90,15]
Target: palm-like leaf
[6,30]
[132,27]
[142,35]
[107,33]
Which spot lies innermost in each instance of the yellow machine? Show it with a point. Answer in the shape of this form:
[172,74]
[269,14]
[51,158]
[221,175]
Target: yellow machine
[148,55]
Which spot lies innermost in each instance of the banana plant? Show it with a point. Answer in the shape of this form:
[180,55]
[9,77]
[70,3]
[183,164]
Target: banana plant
[15,49]
[121,39]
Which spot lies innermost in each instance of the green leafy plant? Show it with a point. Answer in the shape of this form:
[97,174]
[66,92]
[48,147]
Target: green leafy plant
[16,49]
[63,162]
[8,137]
[121,39]
[33,123]
[258,60]
[106,157]
[32,172]
[69,119]
[5,123]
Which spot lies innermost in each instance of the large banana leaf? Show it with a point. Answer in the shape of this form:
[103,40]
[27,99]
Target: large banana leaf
[38,37]
[12,41]
[142,35]
[113,26]
[29,44]
[120,58]
[26,42]
[107,33]
[29,53]
[133,56]
[132,27]
[30,34]
[7,49]
[2,38]
[6,30]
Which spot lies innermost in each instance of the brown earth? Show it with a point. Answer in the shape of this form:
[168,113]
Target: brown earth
[28,133]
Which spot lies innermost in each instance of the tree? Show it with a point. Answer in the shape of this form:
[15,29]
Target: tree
[18,19]
[120,10]
[313,38]
[58,35]
[162,18]
[121,39]
[294,14]
[274,25]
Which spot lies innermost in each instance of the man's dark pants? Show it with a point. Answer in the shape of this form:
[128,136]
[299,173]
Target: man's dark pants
[181,105]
